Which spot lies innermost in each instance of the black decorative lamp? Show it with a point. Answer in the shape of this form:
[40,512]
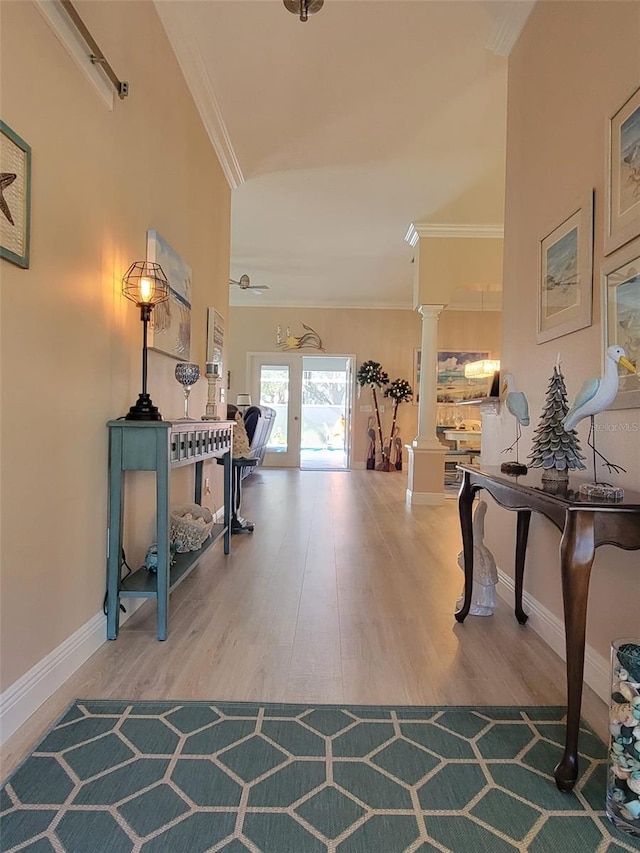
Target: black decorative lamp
[145,284]
[304,8]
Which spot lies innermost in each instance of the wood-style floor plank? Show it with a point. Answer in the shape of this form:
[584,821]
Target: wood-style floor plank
[342,594]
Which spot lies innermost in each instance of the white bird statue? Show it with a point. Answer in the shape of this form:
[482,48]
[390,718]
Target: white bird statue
[485,573]
[518,406]
[595,396]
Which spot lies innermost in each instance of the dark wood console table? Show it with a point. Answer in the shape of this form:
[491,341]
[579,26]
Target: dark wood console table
[585,524]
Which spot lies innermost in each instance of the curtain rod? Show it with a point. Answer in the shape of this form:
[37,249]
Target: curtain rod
[96,56]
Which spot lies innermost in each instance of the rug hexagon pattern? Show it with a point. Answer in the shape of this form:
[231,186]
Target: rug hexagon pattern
[152,777]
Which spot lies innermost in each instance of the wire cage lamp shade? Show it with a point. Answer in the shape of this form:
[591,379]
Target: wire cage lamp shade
[303,8]
[145,284]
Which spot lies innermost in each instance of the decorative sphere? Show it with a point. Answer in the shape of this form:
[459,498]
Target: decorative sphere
[187,374]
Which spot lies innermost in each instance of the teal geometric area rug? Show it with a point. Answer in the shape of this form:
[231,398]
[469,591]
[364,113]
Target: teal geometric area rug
[190,777]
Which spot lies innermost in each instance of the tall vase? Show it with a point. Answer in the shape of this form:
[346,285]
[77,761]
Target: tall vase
[623,778]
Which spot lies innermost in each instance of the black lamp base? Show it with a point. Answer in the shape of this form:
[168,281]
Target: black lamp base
[144,410]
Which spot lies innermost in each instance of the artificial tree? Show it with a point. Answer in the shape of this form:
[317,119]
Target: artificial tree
[555,449]
[371,373]
[400,391]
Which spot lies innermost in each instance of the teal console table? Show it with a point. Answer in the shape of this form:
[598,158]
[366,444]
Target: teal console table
[160,446]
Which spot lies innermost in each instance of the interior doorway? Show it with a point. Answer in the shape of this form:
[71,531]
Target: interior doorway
[313,397]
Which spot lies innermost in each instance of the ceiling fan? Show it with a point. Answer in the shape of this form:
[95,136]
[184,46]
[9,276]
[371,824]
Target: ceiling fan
[245,284]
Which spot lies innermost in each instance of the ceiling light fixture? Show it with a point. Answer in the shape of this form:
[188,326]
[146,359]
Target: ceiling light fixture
[304,8]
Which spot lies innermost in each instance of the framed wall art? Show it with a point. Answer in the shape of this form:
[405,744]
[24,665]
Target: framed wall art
[621,318]
[215,338]
[170,329]
[565,274]
[622,182]
[417,358]
[15,197]
[453,385]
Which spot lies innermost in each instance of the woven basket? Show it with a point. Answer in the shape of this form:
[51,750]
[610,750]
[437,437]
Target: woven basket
[190,525]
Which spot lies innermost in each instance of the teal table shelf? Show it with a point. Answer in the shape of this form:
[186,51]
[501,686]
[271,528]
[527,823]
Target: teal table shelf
[160,446]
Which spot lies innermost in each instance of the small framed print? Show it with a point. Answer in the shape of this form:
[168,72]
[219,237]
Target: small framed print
[15,197]
[215,338]
[565,281]
[621,318]
[622,183]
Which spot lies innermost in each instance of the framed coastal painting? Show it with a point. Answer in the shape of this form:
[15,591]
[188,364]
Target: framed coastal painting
[453,385]
[622,215]
[621,318]
[565,274]
[170,328]
[15,197]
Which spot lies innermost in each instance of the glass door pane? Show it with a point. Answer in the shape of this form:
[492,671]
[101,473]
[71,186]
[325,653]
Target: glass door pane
[275,381]
[325,404]
[274,392]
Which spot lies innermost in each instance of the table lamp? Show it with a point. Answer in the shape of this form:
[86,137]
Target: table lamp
[145,284]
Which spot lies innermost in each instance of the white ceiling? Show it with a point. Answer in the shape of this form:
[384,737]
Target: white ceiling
[339,132]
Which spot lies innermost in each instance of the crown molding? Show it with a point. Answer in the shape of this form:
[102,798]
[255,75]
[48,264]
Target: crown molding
[439,229]
[513,17]
[195,74]
[333,304]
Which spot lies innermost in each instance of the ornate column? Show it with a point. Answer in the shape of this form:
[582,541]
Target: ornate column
[427,438]
[426,453]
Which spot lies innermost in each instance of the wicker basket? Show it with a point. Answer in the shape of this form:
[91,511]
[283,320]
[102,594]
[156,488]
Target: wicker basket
[190,525]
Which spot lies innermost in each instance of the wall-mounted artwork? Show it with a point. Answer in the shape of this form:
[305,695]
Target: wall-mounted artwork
[453,385]
[309,339]
[566,274]
[623,175]
[170,330]
[621,318]
[215,338]
[15,197]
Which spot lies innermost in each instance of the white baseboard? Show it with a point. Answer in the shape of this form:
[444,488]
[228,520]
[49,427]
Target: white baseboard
[22,698]
[547,625]
[424,498]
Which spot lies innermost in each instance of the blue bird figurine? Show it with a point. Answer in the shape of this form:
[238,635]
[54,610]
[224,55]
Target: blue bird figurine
[518,406]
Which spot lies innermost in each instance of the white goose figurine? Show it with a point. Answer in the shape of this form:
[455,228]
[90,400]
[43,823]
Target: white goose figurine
[596,395]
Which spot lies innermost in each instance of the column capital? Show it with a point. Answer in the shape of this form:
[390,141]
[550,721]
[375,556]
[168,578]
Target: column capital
[431,311]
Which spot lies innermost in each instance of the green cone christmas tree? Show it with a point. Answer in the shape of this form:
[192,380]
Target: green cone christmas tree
[555,449]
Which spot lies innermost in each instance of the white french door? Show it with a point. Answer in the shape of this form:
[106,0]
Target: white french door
[313,398]
[276,381]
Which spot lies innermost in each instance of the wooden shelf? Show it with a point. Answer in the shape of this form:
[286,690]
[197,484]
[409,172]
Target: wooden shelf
[143,584]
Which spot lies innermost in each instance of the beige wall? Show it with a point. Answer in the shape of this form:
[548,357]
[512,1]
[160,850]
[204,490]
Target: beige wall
[573,66]
[70,343]
[390,337]
[445,265]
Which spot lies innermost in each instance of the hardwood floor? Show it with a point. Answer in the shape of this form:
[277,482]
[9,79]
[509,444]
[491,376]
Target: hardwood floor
[342,594]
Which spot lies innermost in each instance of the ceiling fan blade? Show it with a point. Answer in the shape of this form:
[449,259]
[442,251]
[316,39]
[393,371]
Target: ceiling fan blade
[244,283]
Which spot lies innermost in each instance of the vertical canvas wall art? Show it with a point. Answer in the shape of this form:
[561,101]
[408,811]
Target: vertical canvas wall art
[621,320]
[170,330]
[15,197]
[623,175]
[566,275]
[215,338]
